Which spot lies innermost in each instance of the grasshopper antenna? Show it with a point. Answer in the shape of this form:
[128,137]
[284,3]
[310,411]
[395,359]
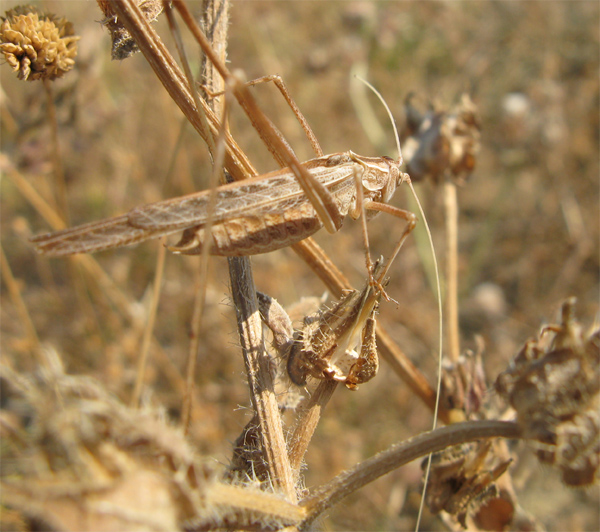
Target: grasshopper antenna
[438,294]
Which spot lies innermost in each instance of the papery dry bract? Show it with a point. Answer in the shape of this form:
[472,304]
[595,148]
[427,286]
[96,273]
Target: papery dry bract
[37,45]
[554,384]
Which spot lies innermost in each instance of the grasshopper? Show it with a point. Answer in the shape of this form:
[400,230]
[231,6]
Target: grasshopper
[260,214]
[254,216]
[336,343]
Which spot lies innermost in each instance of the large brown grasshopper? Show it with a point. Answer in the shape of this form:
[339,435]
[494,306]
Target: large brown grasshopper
[254,216]
[260,214]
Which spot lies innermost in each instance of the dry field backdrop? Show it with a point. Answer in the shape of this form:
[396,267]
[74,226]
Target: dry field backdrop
[529,216]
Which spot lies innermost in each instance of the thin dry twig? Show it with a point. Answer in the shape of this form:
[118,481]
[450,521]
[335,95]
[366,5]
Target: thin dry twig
[15,294]
[258,364]
[451,226]
[306,423]
[260,376]
[149,328]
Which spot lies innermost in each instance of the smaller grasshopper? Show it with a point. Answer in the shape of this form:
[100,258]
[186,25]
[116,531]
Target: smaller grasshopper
[334,344]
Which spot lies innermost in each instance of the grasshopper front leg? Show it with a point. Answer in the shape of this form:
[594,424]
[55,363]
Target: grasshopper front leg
[367,364]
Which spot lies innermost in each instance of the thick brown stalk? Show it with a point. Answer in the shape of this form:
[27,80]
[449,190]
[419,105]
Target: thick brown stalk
[399,454]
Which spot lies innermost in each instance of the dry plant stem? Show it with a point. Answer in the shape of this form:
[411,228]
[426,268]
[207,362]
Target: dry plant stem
[149,328]
[59,173]
[260,376]
[215,21]
[175,83]
[306,423]
[400,454]
[221,494]
[15,295]
[451,215]
[257,361]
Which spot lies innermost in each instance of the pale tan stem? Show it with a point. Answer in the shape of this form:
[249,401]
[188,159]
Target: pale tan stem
[451,215]
[149,327]
[257,361]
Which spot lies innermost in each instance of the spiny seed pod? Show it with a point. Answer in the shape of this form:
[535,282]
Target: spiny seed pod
[37,45]
[554,386]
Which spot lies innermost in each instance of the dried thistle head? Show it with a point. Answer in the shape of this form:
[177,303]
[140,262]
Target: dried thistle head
[37,45]
[554,386]
[441,144]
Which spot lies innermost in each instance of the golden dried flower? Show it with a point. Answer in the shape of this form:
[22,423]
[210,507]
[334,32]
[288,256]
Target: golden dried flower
[37,45]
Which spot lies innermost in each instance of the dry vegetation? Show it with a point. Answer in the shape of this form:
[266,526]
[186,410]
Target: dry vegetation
[529,224]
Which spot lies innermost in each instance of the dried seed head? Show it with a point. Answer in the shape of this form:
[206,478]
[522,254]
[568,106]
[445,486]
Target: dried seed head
[37,45]
[464,387]
[554,386]
[463,479]
[441,144]
[123,44]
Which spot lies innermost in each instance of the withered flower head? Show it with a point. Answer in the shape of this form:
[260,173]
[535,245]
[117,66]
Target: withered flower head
[554,386]
[441,144]
[37,45]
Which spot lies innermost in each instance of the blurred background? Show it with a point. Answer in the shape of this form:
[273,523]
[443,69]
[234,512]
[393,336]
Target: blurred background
[528,226]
